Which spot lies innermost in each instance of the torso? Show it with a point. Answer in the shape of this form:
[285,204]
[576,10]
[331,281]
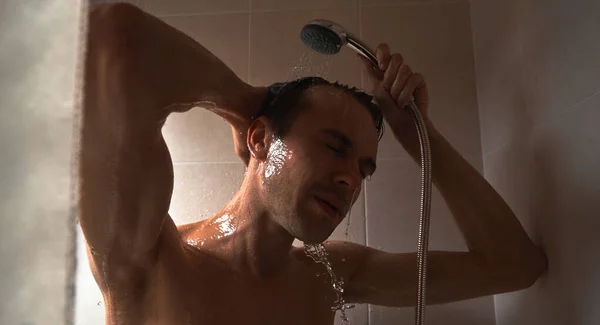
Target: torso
[188,286]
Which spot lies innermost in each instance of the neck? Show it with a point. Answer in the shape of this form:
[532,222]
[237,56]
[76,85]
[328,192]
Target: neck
[257,244]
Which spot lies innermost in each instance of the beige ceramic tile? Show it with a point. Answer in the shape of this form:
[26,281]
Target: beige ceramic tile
[502,92]
[478,311]
[561,51]
[191,7]
[511,171]
[434,40]
[564,220]
[368,3]
[202,190]
[199,135]
[89,303]
[276,48]
[224,35]
[259,5]
[133,2]
[357,316]
[393,209]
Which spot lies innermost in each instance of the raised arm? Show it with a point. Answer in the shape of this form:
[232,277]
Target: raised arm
[138,70]
[501,256]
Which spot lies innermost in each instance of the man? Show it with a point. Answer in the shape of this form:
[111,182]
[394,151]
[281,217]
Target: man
[307,145]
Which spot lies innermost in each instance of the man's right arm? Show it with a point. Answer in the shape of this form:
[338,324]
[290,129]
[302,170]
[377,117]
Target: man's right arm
[136,68]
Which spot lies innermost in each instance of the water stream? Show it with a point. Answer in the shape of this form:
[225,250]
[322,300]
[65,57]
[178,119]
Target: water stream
[314,64]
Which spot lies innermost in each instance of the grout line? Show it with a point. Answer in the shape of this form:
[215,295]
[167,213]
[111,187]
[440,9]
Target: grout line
[365,214]
[395,159]
[414,3]
[184,163]
[250,11]
[362,86]
[302,9]
[194,14]
[366,241]
[542,124]
[477,99]
[360,35]
[545,121]
[249,40]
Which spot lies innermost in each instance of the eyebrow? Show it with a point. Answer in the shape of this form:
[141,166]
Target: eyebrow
[345,140]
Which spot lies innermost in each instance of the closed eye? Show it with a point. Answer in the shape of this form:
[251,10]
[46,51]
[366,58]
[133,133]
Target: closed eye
[335,149]
[341,153]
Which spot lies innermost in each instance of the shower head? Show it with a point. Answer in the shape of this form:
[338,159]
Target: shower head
[327,37]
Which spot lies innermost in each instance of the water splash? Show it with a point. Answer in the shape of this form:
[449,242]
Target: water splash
[318,254]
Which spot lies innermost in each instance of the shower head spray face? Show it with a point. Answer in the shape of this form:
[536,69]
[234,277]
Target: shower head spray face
[320,37]
[327,37]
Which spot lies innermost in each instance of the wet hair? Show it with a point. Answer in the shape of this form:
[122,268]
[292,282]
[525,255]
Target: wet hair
[282,103]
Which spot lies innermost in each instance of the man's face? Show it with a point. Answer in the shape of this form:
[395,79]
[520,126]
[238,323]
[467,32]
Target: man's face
[322,160]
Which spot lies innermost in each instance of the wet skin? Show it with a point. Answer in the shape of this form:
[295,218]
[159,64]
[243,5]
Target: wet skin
[240,267]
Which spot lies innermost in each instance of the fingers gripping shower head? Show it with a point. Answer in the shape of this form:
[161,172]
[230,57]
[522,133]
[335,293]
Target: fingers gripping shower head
[327,37]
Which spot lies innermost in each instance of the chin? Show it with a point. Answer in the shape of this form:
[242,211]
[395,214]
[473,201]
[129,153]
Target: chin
[312,228]
[313,237]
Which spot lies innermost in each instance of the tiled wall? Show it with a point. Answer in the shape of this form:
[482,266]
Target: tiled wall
[538,80]
[259,40]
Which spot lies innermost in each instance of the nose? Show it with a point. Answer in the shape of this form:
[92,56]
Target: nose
[348,179]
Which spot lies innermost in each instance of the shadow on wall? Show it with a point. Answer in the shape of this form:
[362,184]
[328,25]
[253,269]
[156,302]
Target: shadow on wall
[566,211]
[550,181]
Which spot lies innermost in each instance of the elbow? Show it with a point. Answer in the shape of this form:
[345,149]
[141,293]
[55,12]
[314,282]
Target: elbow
[113,12]
[525,273]
[113,25]
[536,268]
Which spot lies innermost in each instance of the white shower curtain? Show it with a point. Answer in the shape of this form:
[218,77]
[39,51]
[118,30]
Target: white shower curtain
[39,92]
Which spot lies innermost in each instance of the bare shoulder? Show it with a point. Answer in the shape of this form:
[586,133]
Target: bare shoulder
[192,233]
[344,257]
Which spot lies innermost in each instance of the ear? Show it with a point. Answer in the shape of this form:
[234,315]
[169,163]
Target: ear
[259,138]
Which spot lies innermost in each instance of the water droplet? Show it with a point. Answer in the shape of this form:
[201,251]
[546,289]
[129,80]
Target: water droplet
[343,259]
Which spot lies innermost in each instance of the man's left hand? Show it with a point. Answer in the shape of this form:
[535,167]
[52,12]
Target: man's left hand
[393,85]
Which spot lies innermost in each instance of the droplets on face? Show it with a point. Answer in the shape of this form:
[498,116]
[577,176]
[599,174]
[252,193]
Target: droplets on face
[278,154]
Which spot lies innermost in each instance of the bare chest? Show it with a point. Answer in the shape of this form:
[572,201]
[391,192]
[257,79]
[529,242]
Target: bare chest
[208,293]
